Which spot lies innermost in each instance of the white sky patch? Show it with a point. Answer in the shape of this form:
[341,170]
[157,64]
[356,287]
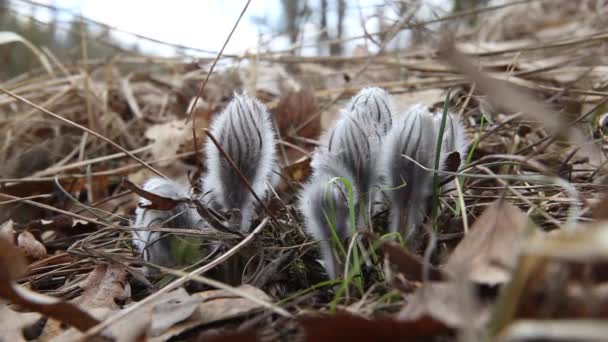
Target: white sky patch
[199,24]
[206,24]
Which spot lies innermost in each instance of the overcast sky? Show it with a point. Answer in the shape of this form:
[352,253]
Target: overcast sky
[204,24]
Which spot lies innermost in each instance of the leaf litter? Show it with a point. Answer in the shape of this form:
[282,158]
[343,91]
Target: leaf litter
[533,188]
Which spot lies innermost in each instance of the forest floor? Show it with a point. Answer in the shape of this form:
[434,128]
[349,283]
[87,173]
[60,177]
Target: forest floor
[516,253]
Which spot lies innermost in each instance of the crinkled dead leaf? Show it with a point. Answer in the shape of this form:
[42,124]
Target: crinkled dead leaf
[172,310]
[14,265]
[7,231]
[220,304]
[555,330]
[271,79]
[428,97]
[104,287]
[446,302]
[508,95]
[167,138]
[489,251]
[295,109]
[348,327]
[501,93]
[408,264]
[13,262]
[216,306]
[589,243]
[600,210]
[157,202]
[560,274]
[31,247]
[12,323]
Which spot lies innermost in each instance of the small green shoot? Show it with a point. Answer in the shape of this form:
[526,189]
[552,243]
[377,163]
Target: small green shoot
[435,209]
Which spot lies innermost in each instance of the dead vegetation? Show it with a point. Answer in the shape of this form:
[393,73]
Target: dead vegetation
[517,253]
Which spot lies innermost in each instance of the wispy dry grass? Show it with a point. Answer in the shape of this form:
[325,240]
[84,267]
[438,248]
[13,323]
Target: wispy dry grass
[530,96]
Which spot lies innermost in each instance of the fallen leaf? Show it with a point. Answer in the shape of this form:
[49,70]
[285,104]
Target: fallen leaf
[489,251]
[13,323]
[14,266]
[271,79]
[7,231]
[445,302]
[167,138]
[410,265]
[104,287]
[295,109]
[428,97]
[31,247]
[172,310]
[157,202]
[220,304]
[560,275]
[215,306]
[348,327]
[599,211]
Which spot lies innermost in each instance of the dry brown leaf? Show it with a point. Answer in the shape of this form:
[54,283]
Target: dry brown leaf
[293,110]
[157,202]
[410,265]
[167,138]
[31,247]
[104,287]
[220,304]
[501,93]
[14,265]
[215,306]
[172,310]
[560,275]
[347,327]
[446,303]
[489,251]
[271,79]
[12,323]
[7,231]
[428,97]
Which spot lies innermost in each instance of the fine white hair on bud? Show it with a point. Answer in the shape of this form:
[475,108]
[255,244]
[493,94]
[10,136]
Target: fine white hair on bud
[152,245]
[350,151]
[454,137]
[408,186]
[454,140]
[356,149]
[245,133]
[376,107]
[324,204]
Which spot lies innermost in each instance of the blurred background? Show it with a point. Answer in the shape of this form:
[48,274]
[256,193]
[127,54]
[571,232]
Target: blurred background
[199,28]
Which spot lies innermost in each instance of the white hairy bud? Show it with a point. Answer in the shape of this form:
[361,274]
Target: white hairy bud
[324,204]
[356,149]
[154,246]
[454,137]
[349,150]
[409,187]
[246,134]
[376,107]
